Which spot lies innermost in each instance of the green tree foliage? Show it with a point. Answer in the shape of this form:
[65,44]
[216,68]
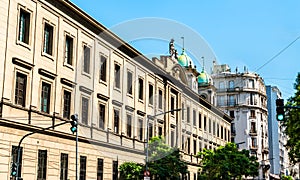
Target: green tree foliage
[131,170]
[292,124]
[227,163]
[164,161]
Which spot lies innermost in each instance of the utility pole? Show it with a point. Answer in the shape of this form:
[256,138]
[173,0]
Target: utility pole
[147,173]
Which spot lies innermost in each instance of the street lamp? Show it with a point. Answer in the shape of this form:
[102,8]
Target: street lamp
[147,138]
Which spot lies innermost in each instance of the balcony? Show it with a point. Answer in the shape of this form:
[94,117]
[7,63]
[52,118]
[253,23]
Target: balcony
[253,147]
[265,150]
[253,132]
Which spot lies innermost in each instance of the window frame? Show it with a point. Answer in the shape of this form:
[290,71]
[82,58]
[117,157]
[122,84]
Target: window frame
[82,167]
[129,83]
[116,120]
[101,122]
[117,76]
[129,125]
[103,68]
[160,99]
[69,50]
[64,164]
[141,89]
[43,97]
[85,113]
[48,47]
[26,41]
[67,112]
[86,63]
[140,130]
[100,168]
[151,94]
[17,89]
[42,164]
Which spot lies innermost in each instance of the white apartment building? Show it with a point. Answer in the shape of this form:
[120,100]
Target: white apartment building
[242,95]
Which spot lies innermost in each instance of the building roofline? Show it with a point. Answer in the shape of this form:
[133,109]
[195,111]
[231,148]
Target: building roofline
[93,25]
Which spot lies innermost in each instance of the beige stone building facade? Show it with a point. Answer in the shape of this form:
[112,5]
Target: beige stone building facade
[57,61]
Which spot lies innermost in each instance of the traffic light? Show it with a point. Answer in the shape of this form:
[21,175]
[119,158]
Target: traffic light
[74,123]
[280,109]
[14,170]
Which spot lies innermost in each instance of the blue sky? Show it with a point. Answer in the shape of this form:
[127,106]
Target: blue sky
[238,33]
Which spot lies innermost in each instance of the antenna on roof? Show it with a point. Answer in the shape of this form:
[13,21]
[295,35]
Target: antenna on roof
[182,42]
[202,63]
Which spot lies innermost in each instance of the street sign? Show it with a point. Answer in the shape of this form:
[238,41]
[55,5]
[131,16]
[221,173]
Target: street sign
[146,178]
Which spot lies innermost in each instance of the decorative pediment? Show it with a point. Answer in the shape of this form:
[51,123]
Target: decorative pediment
[179,73]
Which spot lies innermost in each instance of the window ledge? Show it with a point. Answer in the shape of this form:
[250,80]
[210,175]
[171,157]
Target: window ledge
[68,66]
[25,45]
[47,55]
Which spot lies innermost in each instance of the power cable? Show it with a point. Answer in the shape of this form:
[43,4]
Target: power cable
[276,55]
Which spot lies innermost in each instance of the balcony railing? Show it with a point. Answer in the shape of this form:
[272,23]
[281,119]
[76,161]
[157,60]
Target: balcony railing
[253,132]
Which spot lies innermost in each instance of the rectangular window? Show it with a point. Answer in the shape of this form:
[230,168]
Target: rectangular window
[231,114]
[200,120]
[150,130]
[194,118]
[86,59]
[150,94]
[160,98]
[214,128]
[24,26]
[141,89]
[69,50]
[117,76]
[140,129]
[188,114]
[116,121]
[45,97]
[84,110]
[160,131]
[20,89]
[67,104]
[189,145]
[14,154]
[218,130]
[129,82]
[42,165]
[82,175]
[182,112]
[205,128]
[172,138]
[222,134]
[182,142]
[100,169]
[129,126]
[103,61]
[63,166]
[101,116]
[48,39]
[115,170]
[253,127]
[172,105]
[209,125]
[195,146]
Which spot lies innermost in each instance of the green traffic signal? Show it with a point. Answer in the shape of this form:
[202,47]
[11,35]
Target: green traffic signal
[280,110]
[74,123]
[280,117]
[14,170]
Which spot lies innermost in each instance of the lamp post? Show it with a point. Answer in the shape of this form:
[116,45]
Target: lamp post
[146,174]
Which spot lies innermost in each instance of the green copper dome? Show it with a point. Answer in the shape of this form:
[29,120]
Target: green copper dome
[203,78]
[184,59]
